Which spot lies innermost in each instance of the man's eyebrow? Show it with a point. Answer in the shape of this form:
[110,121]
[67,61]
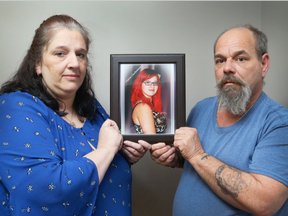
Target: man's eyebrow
[239,52]
[236,53]
[218,56]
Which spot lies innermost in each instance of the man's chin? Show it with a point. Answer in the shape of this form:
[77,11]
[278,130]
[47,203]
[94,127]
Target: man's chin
[235,87]
[230,91]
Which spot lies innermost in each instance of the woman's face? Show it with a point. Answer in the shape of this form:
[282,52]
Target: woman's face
[63,65]
[150,87]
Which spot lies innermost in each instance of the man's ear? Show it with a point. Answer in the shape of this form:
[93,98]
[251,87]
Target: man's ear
[265,62]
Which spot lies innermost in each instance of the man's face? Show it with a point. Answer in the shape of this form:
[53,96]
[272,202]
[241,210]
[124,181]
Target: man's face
[235,54]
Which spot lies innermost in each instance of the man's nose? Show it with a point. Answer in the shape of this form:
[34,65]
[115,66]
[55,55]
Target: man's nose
[229,66]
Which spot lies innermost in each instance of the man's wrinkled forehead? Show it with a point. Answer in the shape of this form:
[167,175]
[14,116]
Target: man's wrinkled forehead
[235,40]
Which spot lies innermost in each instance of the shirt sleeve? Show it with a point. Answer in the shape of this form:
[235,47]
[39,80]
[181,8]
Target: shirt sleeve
[34,177]
[270,155]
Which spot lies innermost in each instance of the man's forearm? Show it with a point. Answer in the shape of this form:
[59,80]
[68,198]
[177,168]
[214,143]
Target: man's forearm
[236,187]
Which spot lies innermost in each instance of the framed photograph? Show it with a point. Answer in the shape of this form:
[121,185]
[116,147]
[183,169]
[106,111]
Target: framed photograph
[147,95]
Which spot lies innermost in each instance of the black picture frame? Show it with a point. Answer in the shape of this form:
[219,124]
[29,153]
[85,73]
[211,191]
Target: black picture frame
[124,68]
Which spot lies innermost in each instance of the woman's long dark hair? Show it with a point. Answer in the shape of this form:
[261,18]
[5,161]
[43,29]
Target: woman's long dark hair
[27,80]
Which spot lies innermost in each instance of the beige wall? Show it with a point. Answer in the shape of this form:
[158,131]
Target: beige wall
[152,27]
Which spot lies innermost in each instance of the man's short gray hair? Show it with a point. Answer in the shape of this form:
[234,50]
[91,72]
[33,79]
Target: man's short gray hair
[261,45]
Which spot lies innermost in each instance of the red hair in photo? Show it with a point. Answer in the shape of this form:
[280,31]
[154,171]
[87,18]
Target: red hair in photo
[137,94]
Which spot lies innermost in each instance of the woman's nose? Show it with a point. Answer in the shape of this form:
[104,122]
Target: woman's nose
[73,61]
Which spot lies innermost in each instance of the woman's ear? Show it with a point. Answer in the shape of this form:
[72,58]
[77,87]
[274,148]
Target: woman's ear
[38,69]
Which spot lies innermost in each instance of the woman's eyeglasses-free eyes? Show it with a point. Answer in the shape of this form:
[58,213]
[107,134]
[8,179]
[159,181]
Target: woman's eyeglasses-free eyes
[149,83]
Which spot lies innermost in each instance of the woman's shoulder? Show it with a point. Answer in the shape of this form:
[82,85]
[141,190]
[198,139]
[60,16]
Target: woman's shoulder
[142,105]
[22,101]
[16,95]
[19,96]
[142,109]
[100,111]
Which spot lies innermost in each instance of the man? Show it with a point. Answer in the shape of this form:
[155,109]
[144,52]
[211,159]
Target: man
[235,145]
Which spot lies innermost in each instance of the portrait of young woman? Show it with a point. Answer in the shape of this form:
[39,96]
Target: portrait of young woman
[147,97]
[147,113]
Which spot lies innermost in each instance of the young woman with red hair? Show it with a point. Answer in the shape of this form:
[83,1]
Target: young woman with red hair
[147,115]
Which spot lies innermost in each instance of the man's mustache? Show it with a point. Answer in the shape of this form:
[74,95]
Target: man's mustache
[231,79]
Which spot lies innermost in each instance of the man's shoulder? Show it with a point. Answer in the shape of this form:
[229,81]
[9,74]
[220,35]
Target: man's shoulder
[203,109]
[275,110]
[207,102]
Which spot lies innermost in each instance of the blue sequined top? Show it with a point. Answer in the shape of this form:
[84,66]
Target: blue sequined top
[42,168]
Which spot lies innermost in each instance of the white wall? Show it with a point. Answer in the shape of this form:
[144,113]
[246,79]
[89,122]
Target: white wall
[274,18]
[152,27]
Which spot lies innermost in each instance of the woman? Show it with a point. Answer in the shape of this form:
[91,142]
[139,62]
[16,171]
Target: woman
[57,143]
[146,102]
